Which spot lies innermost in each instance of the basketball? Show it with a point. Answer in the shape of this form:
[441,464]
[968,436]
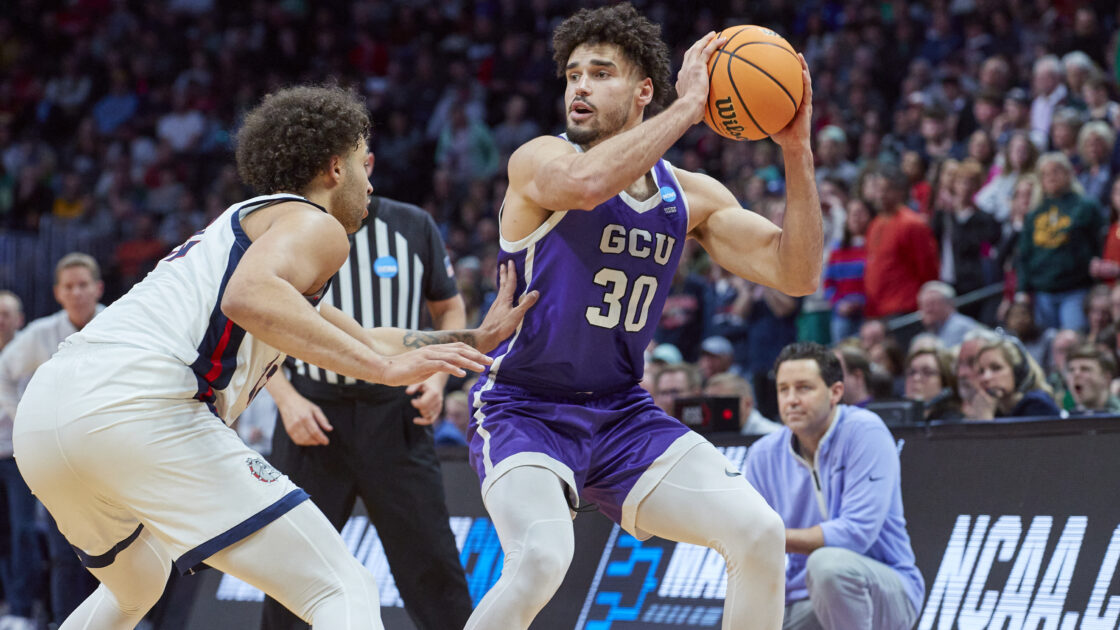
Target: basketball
[755,84]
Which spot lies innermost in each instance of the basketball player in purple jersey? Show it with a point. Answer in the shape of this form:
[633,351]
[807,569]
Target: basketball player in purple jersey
[597,220]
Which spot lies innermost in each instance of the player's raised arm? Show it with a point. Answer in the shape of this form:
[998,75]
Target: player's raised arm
[786,258]
[294,257]
[550,173]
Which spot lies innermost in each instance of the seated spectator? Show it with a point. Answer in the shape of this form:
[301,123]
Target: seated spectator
[968,386]
[1059,239]
[940,316]
[929,378]
[1012,385]
[857,375]
[1098,310]
[1090,371]
[925,341]
[1056,370]
[871,333]
[452,429]
[676,380]
[1019,321]
[832,473]
[888,371]
[751,421]
[843,273]
[716,356]
[1100,107]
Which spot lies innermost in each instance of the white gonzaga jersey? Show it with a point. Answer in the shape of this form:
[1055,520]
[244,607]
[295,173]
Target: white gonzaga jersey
[176,311]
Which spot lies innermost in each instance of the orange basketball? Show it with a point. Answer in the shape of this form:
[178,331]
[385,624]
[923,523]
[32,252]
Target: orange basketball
[755,82]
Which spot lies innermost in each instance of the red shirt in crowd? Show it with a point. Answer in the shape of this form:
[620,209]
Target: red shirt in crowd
[901,257]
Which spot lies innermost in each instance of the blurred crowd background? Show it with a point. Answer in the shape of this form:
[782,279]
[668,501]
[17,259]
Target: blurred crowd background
[966,161]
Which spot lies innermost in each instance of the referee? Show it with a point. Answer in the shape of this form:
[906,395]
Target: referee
[339,439]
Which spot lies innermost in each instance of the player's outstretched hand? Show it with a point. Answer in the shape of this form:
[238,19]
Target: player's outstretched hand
[417,365]
[692,80]
[799,129]
[505,316]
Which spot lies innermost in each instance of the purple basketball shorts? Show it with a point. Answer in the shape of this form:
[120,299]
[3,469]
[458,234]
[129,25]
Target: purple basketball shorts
[611,449]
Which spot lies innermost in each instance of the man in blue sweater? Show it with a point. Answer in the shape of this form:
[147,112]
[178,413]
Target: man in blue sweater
[832,473]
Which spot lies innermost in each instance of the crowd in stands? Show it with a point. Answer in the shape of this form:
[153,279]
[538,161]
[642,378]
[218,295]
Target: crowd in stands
[961,145]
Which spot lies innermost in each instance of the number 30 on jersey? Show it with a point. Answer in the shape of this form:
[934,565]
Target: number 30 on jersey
[638,296]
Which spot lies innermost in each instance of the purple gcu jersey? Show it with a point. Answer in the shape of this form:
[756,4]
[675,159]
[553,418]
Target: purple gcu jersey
[563,391]
[603,275]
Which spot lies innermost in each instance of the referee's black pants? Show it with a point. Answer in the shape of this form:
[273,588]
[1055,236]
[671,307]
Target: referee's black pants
[378,453]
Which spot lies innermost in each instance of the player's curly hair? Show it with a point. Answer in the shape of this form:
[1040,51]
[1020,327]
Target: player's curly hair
[291,136]
[621,25]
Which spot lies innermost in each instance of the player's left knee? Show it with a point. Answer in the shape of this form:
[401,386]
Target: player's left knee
[753,534]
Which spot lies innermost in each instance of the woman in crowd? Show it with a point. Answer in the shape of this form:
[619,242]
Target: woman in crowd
[1012,383]
[1018,159]
[1094,144]
[843,273]
[930,379]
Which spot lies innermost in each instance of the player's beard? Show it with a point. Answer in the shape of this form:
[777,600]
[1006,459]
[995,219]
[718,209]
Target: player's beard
[605,124]
[350,205]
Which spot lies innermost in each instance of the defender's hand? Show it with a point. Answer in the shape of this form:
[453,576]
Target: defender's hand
[799,130]
[504,316]
[417,365]
[304,421]
[692,80]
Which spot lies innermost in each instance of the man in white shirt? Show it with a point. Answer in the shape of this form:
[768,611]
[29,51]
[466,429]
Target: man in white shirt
[1049,90]
[77,287]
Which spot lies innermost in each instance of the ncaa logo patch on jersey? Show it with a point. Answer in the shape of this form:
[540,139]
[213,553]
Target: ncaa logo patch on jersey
[386,267]
[668,195]
[262,470]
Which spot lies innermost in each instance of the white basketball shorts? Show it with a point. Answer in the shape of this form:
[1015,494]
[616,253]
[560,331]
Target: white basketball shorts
[106,441]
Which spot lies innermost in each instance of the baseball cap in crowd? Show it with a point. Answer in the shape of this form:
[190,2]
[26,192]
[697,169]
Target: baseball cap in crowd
[717,345]
[666,353]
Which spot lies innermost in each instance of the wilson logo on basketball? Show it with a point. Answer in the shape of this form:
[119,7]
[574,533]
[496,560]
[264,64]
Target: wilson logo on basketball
[729,121]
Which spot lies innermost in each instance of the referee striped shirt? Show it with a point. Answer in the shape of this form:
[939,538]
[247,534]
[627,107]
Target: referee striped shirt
[397,262]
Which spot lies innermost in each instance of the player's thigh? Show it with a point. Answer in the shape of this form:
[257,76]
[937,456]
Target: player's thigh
[178,469]
[632,454]
[704,497]
[301,561]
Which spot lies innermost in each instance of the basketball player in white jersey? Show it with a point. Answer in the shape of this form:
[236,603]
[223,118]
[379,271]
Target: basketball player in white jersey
[123,434]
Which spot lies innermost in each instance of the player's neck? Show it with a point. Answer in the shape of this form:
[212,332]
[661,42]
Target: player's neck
[320,197]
